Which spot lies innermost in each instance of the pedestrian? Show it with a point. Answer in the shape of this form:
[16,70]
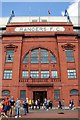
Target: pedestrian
[71,104]
[11,105]
[36,104]
[62,104]
[32,106]
[30,102]
[45,102]
[47,105]
[27,105]
[6,105]
[2,111]
[59,105]
[17,108]
[39,103]
[24,107]
[50,104]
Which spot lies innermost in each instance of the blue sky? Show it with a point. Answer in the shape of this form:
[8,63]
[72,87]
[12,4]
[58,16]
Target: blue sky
[34,8]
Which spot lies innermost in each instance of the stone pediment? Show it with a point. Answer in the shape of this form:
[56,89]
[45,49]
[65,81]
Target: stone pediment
[11,46]
[68,46]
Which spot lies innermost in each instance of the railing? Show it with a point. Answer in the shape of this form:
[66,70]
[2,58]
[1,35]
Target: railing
[40,80]
[23,80]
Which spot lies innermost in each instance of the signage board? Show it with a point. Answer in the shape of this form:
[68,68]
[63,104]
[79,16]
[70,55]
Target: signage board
[39,29]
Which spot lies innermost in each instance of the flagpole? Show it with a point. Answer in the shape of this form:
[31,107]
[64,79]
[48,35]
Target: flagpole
[39,15]
[29,14]
[48,14]
[39,18]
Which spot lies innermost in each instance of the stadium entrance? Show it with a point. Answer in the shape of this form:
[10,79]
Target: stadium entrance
[39,95]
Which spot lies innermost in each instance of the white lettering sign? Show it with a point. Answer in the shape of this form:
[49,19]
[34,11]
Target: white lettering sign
[39,29]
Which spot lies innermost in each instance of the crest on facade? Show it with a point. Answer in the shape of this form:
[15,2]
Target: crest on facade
[68,46]
[11,46]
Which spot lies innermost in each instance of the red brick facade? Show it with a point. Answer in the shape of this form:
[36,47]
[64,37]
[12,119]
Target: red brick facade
[55,42]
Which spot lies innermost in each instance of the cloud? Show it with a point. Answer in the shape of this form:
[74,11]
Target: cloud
[73,11]
[73,8]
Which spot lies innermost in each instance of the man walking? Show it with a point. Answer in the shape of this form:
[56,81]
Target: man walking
[27,105]
[17,108]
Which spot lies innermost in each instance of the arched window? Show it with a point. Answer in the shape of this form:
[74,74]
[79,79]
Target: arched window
[74,92]
[40,55]
[34,56]
[53,58]
[26,59]
[5,93]
[44,56]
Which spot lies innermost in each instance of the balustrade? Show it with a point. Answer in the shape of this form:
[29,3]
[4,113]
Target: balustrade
[40,80]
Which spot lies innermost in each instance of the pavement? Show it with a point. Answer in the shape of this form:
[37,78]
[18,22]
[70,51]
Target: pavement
[52,114]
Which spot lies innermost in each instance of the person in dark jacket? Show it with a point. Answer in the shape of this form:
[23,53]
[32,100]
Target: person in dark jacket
[24,107]
[27,105]
[39,103]
[60,105]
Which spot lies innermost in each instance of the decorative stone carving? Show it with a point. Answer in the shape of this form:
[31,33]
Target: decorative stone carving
[68,46]
[11,46]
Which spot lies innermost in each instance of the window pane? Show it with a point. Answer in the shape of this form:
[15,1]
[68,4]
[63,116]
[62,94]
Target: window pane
[22,94]
[9,55]
[44,56]
[45,74]
[54,74]
[56,94]
[34,74]
[5,93]
[24,74]
[53,59]
[25,59]
[74,92]
[34,20]
[71,73]
[34,56]
[69,55]
[7,74]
